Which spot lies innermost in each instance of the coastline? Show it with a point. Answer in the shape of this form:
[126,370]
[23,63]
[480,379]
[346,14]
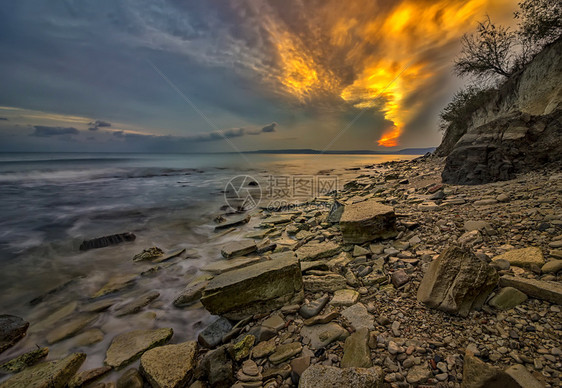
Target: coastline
[409,342]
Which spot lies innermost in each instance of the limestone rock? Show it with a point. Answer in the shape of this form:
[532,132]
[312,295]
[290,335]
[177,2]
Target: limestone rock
[258,288]
[242,348]
[477,374]
[212,335]
[129,346]
[344,298]
[217,368]
[52,374]
[330,282]
[12,329]
[238,248]
[550,291]
[320,336]
[328,376]
[191,293]
[169,366]
[418,374]
[457,282]
[222,266]
[284,352]
[115,284]
[70,328]
[315,251]
[366,221]
[358,316]
[522,377]
[553,266]
[524,257]
[507,298]
[149,254]
[356,352]
[130,379]
[136,305]
[23,361]
[86,377]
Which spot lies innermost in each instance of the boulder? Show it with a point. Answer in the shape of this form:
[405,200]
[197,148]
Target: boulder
[366,221]
[356,352]
[169,366]
[507,298]
[318,375]
[550,291]
[12,329]
[52,374]
[315,251]
[258,288]
[524,257]
[238,248]
[106,241]
[457,282]
[131,345]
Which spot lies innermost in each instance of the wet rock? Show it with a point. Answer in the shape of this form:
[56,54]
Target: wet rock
[106,241]
[52,374]
[70,328]
[233,223]
[550,291]
[507,298]
[95,307]
[23,361]
[168,256]
[130,379]
[12,329]
[457,281]
[344,298]
[328,376]
[320,336]
[191,293]
[313,308]
[284,352]
[525,257]
[367,221]
[356,352]
[169,366]
[115,284]
[212,335]
[129,346]
[243,347]
[330,282]
[87,377]
[553,266]
[358,316]
[258,288]
[87,337]
[316,251]
[151,253]
[136,305]
[238,248]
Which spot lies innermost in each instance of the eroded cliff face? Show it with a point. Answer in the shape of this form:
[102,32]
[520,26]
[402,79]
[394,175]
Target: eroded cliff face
[518,130]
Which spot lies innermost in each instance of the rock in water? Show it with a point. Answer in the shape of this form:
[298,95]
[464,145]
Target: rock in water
[169,366]
[238,248]
[457,282]
[149,254]
[23,361]
[258,288]
[12,329]
[318,375]
[106,241]
[129,346]
[366,221]
[52,374]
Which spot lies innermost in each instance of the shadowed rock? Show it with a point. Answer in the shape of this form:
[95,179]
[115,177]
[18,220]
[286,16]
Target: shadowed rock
[106,241]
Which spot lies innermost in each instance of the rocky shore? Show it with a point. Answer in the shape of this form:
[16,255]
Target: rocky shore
[399,281]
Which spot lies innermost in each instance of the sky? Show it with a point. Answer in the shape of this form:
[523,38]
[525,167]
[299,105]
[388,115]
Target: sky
[214,76]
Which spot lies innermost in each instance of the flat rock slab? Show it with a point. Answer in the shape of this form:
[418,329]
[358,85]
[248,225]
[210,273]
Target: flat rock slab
[356,351]
[12,329]
[115,284]
[129,346]
[70,328]
[358,316]
[259,288]
[367,221]
[52,374]
[233,223]
[315,251]
[238,248]
[221,266]
[86,377]
[169,255]
[344,298]
[169,366]
[284,352]
[327,283]
[507,298]
[550,291]
[457,282]
[524,257]
[318,375]
[191,293]
[320,336]
[136,305]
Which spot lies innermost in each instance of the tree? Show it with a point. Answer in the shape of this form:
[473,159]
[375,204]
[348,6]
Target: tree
[487,53]
[465,102]
[540,21]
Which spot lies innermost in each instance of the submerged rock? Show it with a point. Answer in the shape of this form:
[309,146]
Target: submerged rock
[169,366]
[85,378]
[457,282]
[115,284]
[129,346]
[151,253]
[70,328]
[258,288]
[366,221]
[12,329]
[318,375]
[52,374]
[106,241]
[23,361]
[191,293]
[136,305]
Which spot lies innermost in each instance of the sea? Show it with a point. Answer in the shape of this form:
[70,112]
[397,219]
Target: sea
[51,202]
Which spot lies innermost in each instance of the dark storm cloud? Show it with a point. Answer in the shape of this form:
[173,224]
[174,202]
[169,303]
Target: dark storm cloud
[95,125]
[45,131]
[270,127]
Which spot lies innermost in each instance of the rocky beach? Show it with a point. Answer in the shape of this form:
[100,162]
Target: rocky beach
[400,280]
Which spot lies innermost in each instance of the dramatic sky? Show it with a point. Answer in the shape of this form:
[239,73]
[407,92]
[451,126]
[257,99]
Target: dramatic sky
[181,76]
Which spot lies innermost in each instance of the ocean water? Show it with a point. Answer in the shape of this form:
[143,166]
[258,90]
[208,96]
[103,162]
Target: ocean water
[50,203]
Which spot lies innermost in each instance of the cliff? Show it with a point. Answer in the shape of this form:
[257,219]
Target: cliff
[519,129]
